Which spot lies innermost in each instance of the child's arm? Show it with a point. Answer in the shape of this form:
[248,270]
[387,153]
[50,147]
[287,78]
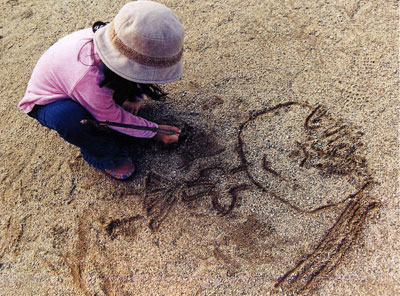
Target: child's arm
[100,104]
[132,107]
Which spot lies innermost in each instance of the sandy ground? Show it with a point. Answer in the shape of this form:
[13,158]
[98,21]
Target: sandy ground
[287,183]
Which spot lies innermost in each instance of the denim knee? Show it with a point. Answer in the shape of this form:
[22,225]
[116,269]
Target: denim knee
[64,116]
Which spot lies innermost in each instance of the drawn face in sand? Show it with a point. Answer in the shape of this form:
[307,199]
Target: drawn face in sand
[302,156]
[304,168]
[311,162]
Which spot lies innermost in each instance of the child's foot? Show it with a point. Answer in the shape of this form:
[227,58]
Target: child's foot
[123,171]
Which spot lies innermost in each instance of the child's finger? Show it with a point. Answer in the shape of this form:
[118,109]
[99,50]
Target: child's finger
[175,129]
[173,139]
[170,127]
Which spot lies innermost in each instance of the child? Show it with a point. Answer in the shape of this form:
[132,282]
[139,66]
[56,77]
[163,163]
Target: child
[103,73]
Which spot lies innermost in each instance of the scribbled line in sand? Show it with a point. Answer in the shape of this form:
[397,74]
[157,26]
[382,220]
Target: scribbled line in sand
[309,272]
[75,261]
[122,227]
[13,231]
[162,194]
[84,248]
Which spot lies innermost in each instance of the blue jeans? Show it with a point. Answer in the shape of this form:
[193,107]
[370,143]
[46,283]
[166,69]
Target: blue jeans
[101,149]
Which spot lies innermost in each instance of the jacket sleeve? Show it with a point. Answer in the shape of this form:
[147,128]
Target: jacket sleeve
[100,104]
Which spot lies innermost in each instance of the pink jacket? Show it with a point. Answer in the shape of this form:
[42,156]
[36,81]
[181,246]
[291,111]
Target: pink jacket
[71,68]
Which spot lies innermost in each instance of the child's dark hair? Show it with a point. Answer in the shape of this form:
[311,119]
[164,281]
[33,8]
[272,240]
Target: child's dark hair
[125,89]
[129,90]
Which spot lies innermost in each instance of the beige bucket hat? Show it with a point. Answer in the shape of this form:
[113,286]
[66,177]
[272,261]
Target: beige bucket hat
[144,43]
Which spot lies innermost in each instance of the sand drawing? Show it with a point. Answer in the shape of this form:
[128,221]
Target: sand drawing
[94,228]
[316,148]
[285,183]
[325,152]
[317,164]
[162,194]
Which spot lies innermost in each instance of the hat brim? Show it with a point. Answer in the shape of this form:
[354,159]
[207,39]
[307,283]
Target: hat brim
[129,69]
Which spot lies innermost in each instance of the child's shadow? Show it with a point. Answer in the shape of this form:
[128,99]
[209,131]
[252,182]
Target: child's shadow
[194,142]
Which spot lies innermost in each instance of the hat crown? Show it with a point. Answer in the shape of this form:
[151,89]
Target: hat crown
[149,28]
[143,43]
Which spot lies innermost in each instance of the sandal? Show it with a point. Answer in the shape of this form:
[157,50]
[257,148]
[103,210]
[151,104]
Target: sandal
[122,171]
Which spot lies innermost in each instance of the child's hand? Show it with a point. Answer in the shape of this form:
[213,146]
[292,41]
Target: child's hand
[167,139]
[132,107]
